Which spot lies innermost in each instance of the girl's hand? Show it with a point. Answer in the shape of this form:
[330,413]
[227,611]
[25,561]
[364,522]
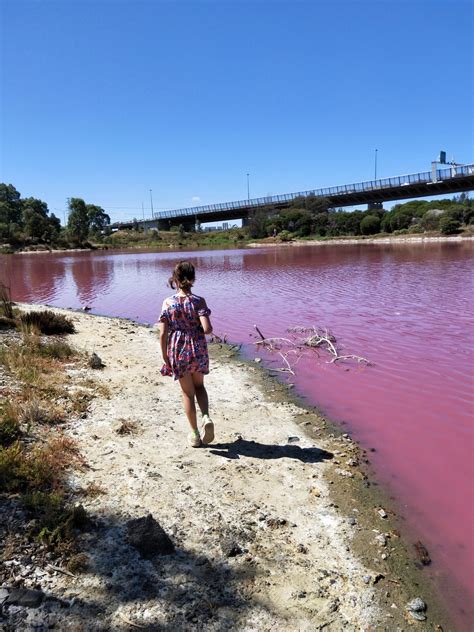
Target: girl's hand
[166,368]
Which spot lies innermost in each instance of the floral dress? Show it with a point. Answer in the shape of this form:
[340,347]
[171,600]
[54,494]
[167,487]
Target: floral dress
[187,346]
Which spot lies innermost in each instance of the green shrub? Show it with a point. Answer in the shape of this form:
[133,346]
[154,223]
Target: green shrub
[370,225]
[402,231]
[416,229]
[284,236]
[448,225]
[47,322]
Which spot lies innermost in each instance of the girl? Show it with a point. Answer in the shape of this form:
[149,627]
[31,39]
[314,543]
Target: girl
[184,320]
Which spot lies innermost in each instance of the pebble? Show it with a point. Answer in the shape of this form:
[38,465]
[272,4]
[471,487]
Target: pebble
[417,605]
[382,513]
[381,539]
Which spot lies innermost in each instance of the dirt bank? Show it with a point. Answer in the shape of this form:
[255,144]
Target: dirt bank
[276,525]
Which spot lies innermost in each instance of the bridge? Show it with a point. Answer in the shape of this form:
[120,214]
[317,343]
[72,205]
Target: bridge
[453,179]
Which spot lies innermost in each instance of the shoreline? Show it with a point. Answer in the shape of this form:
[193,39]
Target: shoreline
[368,240]
[399,239]
[316,543]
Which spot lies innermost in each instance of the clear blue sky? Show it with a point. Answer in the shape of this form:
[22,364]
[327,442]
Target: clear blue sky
[106,99]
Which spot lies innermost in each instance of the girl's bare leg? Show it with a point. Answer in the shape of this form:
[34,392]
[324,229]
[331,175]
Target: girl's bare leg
[201,393]
[189,392]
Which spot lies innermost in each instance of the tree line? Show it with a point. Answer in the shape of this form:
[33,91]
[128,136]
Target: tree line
[28,221]
[314,216]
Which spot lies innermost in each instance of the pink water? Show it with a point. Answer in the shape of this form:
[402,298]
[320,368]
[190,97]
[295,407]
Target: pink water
[407,308]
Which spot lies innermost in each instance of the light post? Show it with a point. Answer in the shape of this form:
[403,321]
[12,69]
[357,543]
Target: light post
[151,202]
[248,186]
[376,164]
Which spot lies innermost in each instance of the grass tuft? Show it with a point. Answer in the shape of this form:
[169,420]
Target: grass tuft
[48,322]
[9,424]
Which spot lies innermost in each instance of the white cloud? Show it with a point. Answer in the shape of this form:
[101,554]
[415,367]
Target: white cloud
[195,198]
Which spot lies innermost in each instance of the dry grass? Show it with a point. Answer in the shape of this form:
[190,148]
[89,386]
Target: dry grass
[9,424]
[47,322]
[6,305]
[39,413]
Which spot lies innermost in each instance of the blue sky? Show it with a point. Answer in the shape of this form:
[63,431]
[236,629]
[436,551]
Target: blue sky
[107,99]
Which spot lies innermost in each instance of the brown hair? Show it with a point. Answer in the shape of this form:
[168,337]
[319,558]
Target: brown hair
[183,276]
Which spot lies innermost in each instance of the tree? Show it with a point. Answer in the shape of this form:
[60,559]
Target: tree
[370,225]
[98,219]
[10,207]
[37,225]
[78,220]
[320,224]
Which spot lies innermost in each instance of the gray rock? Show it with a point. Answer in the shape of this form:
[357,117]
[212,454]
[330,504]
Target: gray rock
[418,616]
[95,362]
[25,597]
[416,605]
[148,537]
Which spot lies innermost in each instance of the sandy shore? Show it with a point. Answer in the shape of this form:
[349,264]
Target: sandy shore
[412,239]
[275,525]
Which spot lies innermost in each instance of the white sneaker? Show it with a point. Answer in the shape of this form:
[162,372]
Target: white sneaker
[207,430]
[194,440]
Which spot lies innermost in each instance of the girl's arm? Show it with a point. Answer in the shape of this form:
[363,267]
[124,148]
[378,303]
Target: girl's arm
[164,342]
[204,318]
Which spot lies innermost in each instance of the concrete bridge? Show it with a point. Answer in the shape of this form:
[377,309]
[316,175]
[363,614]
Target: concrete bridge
[451,179]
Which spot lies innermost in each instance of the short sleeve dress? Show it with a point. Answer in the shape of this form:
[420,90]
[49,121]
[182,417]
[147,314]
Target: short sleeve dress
[187,346]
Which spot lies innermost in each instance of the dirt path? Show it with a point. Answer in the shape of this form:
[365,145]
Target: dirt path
[259,542]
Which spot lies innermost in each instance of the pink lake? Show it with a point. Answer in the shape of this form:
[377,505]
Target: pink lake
[407,308]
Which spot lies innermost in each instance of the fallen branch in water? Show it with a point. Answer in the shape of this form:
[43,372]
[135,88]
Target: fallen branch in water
[305,338]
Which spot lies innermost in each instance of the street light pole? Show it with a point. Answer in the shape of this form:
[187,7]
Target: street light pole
[376,164]
[151,201]
[248,187]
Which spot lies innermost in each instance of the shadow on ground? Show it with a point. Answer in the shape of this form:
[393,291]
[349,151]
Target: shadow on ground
[242,447]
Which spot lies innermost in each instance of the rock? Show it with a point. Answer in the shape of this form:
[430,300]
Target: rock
[148,537]
[293,439]
[366,579]
[95,362]
[422,553]
[25,597]
[257,360]
[416,605]
[382,513]
[381,539]
[230,548]
[352,521]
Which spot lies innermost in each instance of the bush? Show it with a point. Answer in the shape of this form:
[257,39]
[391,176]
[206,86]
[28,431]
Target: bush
[284,236]
[9,424]
[47,322]
[416,229]
[370,225]
[448,225]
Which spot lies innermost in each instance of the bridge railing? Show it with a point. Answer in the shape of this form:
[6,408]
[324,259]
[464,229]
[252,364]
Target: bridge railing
[424,177]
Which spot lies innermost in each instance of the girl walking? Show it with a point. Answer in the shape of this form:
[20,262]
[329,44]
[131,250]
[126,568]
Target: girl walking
[184,321]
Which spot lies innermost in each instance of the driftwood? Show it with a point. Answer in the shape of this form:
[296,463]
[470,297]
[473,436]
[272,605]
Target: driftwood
[303,339]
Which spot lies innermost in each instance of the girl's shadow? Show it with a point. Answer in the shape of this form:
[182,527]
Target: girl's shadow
[242,447]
